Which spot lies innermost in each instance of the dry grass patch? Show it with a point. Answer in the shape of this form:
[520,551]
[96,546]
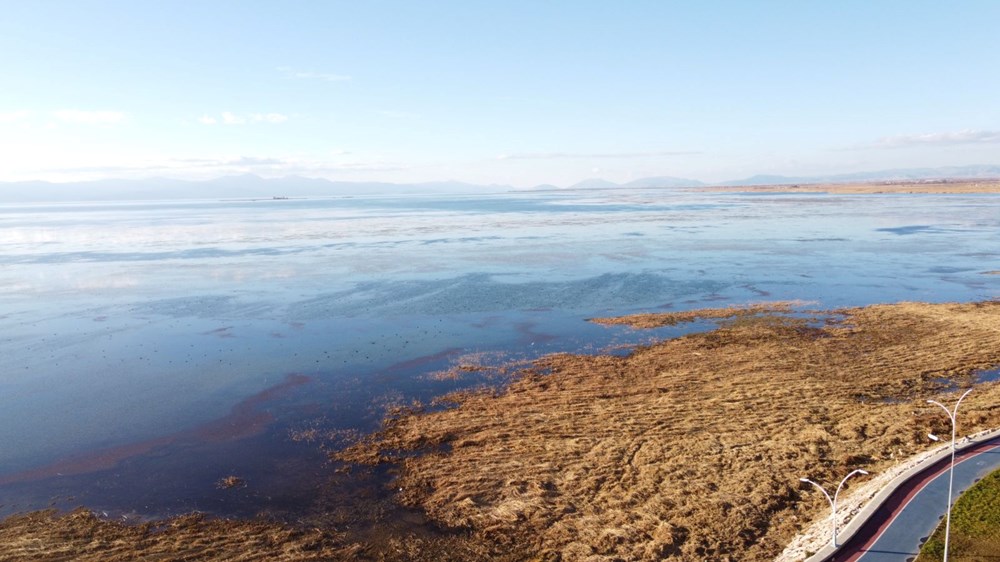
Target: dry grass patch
[691,448]
[660,319]
[82,537]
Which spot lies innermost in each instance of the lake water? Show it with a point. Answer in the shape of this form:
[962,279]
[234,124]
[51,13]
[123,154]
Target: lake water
[149,349]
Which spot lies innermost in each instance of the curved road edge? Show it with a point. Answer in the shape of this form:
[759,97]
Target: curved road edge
[863,517]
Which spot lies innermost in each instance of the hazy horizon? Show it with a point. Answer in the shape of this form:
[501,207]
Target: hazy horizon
[973,171]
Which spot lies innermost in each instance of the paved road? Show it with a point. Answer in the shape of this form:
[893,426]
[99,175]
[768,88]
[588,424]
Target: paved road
[895,531]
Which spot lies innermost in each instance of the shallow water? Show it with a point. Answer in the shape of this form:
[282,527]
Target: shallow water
[147,347]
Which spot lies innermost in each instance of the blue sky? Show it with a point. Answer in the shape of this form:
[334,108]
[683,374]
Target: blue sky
[508,92]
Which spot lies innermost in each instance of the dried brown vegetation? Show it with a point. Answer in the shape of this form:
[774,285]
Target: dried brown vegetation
[230,482]
[658,319]
[691,448]
[82,537]
[491,366]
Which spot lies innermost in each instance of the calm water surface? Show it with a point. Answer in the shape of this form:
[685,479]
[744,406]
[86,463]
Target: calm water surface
[149,349]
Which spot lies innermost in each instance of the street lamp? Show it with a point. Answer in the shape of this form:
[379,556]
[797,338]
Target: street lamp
[833,500]
[952,414]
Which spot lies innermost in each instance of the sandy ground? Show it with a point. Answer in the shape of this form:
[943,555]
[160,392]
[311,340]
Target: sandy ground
[936,186]
[689,449]
[692,448]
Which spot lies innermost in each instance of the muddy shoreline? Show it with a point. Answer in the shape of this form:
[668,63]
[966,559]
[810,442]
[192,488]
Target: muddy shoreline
[690,448]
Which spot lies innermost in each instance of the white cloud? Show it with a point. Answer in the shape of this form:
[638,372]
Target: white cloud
[376,166]
[967,136]
[309,75]
[568,155]
[11,116]
[268,118]
[204,168]
[89,117]
[231,119]
[254,161]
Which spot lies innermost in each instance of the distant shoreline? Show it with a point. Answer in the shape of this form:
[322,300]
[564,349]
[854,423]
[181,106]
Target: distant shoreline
[945,186]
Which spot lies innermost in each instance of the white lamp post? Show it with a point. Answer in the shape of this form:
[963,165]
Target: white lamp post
[833,500]
[952,414]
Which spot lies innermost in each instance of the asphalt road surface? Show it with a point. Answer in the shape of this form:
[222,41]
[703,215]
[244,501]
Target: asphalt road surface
[895,532]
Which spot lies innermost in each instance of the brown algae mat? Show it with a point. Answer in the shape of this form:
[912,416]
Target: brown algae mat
[691,449]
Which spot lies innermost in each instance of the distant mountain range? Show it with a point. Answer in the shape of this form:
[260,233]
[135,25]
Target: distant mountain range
[902,174]
[250,186]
